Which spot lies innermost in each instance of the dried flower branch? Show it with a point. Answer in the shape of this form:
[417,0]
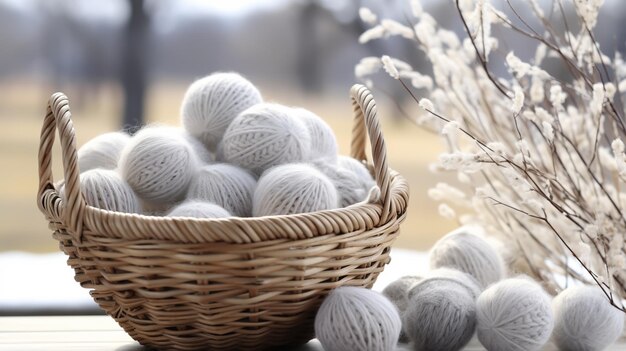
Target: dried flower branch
[540,162]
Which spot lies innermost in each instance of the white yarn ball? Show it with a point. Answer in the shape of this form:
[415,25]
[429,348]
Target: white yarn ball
[353,318]
[441,311]
[514,314]
[219,153]
[159,163]
[357,168]
[212,103]
[102,151]
[323,140]
[468,253]
[202,153]
[105,189]
[226,185]
[293,188]
[585,320]
[349,186]
[398,293]
[264,136]
[198,209]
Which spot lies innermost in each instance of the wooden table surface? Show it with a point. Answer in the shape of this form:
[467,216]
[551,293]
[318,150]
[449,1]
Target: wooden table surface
[101,333]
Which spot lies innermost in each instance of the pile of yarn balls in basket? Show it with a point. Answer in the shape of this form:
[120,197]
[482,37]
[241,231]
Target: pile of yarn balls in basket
[466,292]
[235,155]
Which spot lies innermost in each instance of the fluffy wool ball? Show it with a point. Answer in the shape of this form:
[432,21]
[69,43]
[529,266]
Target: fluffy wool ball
[468,253]
[264,136]
[323,140]
[398,293]
[102,151]
[441,311]
[585,320]
[212,103]
[226,185]
[349,186]
[198,209]
[293,188]
[105,189]
[202,153]
[357,168]
[514,314]
[159,163]
[354,318]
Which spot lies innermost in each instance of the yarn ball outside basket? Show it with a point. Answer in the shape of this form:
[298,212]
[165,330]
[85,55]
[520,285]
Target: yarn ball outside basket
[221,283]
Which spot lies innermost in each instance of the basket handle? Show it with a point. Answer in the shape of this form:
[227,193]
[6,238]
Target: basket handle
[70,213]
[366,124]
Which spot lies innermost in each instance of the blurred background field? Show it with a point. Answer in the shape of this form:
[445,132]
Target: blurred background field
[123,61]
[22,226]
[299,53]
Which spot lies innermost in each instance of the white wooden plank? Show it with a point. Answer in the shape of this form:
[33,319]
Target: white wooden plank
[112,346]
[41,337]
[102,333]
[58,323]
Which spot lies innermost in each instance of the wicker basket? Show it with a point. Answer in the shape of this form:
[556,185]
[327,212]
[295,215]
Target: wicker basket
[221,284]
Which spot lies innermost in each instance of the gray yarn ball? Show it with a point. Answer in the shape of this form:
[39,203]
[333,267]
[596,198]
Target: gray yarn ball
[355,318]
[357,168]
[102,151]
[226,185]
[212,103]
[441,312]
[202,153]
[105,189]
[398,293]
[323,140]
[293,188]
[198,209]
[468,253]
[585,320]
[514,314]
[350,187]
[264,136]
[159,163]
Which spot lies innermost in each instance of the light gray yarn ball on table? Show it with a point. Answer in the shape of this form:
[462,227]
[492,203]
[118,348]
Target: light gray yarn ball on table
[468,253]
[159,163]
[105,189]
[102,151]
[514,314]
[293,188]
[323,140]
[398,293]
[264,136]
[441,311]
[198,209]
[585,320]
[226,185]
[355,318]
[212,103]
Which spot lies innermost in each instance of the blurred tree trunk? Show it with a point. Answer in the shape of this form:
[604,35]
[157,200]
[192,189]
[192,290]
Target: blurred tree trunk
[134,65]
[308,65]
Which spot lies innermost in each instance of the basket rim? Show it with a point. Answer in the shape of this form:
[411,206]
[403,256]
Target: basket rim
[237,230]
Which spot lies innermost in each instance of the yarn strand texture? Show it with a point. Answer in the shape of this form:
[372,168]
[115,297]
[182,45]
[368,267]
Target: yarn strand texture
[264,136]
[212,103]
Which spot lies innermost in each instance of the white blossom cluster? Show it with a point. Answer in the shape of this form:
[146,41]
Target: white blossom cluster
[541,162]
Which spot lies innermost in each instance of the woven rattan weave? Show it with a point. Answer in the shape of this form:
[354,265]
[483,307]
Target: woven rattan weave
[221,284]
